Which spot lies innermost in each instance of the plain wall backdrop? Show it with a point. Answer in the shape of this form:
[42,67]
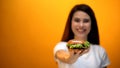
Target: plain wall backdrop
[29,30]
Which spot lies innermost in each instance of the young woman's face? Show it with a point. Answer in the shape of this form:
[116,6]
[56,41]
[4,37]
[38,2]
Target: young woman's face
[81,25]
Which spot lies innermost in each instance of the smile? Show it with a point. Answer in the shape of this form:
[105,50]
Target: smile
[81,30]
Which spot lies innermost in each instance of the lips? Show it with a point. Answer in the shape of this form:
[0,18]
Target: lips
[81,30]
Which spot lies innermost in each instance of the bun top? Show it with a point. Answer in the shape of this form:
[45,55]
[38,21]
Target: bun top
[75,42]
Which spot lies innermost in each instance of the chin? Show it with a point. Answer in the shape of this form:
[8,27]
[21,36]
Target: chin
[80,37]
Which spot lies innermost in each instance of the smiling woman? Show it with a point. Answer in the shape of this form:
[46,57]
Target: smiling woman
[30,29]
[81,26]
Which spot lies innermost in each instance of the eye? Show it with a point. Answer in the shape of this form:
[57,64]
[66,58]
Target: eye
[86,20]
[77,20]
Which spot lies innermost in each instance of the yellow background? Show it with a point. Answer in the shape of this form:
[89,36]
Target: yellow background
[29,30]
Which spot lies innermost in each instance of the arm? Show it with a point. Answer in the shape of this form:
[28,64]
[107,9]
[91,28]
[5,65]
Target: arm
[69,57]
[66,56]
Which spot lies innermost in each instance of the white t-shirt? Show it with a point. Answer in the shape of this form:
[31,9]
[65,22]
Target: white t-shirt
[95,58]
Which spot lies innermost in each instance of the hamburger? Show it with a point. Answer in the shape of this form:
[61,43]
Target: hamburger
[76,44]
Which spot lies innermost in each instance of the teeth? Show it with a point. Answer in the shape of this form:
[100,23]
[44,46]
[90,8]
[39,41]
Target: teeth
[80,30]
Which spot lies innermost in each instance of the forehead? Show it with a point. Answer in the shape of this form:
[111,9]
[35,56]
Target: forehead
[81,14]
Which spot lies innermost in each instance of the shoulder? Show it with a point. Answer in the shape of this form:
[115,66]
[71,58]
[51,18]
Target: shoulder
[97,47]
[60,45]
[101,53]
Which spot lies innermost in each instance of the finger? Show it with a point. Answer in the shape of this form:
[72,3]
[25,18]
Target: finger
[71,51]
[76,50]
[80,51]
[85,51]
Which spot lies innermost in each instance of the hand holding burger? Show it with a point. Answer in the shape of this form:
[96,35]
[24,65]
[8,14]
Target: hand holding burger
[75,44]
[79,47]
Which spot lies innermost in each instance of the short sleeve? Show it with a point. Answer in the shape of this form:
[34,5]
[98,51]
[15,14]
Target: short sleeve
[60,46]
[104,58]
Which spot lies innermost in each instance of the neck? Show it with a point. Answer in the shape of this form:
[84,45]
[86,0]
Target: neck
[82,38]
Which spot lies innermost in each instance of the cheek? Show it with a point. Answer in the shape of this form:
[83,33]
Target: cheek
[89,27]
[73,27]
[72,24]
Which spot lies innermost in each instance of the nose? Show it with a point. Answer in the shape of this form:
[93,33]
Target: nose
[81,24]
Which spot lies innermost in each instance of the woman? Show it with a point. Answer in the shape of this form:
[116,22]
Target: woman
[81,25]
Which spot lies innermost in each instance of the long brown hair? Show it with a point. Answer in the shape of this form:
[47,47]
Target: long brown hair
[93,36]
